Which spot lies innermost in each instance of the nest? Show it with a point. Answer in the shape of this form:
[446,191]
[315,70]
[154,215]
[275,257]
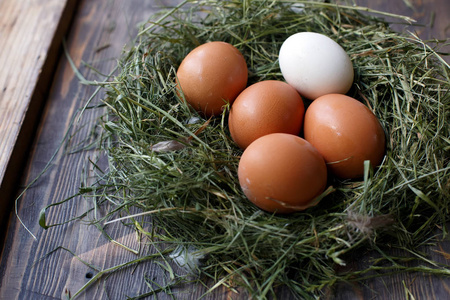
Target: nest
[180,170]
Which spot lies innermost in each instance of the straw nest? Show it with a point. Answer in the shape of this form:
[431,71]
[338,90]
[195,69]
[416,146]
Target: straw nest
[179,170]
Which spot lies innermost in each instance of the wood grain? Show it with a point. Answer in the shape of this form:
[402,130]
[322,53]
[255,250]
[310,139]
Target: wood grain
[432,21]
[105,25]
[97,36]
[30,39]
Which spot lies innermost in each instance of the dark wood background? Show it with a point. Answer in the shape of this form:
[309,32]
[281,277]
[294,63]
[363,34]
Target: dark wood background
[99,30]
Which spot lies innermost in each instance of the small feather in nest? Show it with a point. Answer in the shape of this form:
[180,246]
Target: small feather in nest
[167,146]
[368,224]
[188,258]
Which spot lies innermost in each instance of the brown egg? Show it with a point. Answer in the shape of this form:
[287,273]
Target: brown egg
[265,107]
[282,173]
[212,75]
[346,133]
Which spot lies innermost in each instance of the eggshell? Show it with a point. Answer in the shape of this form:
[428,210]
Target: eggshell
[346,133]
[212,75]
[265,107]
[315,65]
[282,173]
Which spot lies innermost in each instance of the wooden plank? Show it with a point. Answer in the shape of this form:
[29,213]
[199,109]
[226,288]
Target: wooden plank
[23,274]
[30,37]
[99,23]
[431,16]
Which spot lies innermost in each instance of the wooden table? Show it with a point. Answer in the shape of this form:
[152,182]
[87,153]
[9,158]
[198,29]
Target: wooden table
[39,97]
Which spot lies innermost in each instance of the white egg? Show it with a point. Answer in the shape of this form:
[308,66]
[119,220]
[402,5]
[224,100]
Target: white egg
[315,65]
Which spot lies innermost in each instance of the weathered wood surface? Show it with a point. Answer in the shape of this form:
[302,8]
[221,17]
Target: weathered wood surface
[432,17]
[98,33]
[30,37]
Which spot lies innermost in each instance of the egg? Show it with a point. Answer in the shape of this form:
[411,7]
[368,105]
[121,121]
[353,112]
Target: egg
[265,107]
[282,173]
[212,75]
[346,133]
[315,65]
